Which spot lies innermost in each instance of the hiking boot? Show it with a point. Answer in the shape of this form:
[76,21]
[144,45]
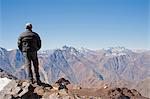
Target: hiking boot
[39,82]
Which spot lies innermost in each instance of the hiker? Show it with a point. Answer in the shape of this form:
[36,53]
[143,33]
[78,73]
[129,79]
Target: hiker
[29,43]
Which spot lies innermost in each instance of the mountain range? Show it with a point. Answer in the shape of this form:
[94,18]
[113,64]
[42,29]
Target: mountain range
[115,66]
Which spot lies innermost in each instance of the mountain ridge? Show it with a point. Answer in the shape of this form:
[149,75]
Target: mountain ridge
[87,68]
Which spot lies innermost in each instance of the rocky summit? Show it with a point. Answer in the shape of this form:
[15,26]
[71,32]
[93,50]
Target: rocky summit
[22,89]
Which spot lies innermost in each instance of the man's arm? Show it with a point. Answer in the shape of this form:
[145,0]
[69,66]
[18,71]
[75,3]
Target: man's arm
[38,42]
[19,43]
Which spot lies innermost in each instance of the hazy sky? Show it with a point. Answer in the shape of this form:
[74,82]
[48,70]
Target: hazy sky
[91,24]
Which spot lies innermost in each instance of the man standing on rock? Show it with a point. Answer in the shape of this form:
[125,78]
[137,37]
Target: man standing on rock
[29,43]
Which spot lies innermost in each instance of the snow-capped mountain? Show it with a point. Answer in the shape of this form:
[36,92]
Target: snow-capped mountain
[83,66]
[117,51]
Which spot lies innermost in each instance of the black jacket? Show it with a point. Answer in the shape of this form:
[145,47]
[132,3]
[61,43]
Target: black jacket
[29,41]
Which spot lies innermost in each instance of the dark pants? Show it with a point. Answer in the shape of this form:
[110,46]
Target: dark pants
[31,57]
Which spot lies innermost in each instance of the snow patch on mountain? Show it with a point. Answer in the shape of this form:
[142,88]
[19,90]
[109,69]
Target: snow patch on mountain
[3,82]
[140,50]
